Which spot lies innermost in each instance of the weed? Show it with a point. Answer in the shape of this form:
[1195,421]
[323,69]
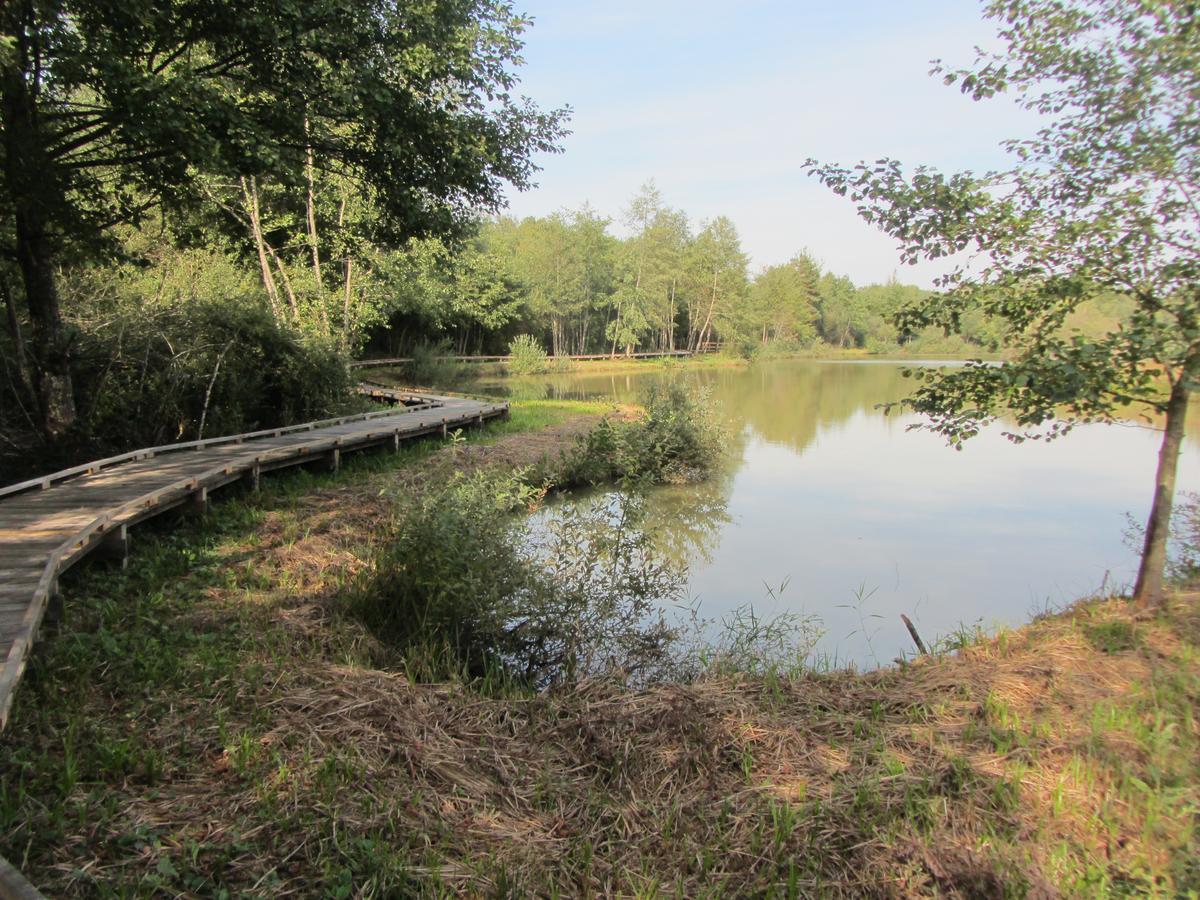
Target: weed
[677,441]
[459,590]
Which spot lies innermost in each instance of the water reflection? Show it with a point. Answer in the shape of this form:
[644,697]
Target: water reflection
[864,519]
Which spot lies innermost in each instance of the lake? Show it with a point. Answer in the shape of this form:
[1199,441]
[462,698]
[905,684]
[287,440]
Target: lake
[860,519]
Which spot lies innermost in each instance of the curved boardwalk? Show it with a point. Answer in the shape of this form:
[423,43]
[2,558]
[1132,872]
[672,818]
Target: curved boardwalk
[48,524]
[614,357]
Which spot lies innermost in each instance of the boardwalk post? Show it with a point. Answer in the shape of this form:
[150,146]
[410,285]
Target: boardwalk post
[114,546]
[443,429]
[334,460]
[254,476]
[197,503]
[395,441]
[54,609]
[13,885]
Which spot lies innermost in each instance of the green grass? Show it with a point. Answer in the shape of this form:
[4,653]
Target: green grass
[534,415]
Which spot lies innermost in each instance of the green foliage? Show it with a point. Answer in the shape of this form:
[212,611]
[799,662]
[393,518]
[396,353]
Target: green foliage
[182,371]
[576,289]
[526,356]
[220,87]
[678,440]
[459,590]
[220,115]
[1183,554]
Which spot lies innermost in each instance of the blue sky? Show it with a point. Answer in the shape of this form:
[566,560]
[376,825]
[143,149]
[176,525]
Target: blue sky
[721,103]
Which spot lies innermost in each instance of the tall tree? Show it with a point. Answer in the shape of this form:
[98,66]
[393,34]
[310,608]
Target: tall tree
[718,278]
[1105,198]
[110,107]
[783,301]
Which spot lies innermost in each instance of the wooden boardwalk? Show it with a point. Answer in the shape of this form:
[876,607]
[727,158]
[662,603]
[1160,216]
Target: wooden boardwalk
[48,524]
[401,360]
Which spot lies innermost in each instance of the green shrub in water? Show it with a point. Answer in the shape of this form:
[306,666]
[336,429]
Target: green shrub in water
[462,591]
[433,365]
[677,441]
[526,356]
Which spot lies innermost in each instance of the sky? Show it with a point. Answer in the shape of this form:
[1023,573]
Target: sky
[720,104]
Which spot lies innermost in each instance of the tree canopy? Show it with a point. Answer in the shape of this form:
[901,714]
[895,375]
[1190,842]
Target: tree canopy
[113,109]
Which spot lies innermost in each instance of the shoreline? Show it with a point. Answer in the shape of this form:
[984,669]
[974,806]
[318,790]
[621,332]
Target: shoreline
[468,373]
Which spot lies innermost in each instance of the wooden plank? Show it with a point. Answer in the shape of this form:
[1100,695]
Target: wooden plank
[14,886]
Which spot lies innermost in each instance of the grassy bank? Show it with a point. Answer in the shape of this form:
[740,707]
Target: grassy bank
[211,721]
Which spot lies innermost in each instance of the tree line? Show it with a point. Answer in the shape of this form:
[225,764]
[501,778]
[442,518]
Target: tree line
[667,285]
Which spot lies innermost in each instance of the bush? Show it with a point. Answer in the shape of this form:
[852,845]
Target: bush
[172,373]
[526,356]
[1183,547]
[461,591]
[154,374]
[677,441]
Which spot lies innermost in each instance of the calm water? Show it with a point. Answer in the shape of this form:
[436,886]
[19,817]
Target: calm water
[826,495]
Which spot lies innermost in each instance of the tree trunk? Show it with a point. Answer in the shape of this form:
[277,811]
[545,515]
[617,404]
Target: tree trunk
[48,338]
[314,244]
[1148,591]
[708,318]
[293,303]
[310,207]
[347,278]
[30,191]
[264,264]
[20,359]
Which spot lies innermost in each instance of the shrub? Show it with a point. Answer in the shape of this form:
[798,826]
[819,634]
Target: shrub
[433,364]
[526,356]
[1183,548]
[154,374]
[460,590]
[676,441]
[185,371]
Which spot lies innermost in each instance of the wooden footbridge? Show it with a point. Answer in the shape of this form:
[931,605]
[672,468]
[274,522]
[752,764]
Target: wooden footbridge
[614,357]
[48,524]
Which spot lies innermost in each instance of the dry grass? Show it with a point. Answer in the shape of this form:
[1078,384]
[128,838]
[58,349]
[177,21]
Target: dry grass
[273,758]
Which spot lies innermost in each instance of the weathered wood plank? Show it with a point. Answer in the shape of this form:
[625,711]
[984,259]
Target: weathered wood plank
[13,885]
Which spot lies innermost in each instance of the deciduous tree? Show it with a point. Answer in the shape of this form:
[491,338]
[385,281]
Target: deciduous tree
[1103,199]
[111,107]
